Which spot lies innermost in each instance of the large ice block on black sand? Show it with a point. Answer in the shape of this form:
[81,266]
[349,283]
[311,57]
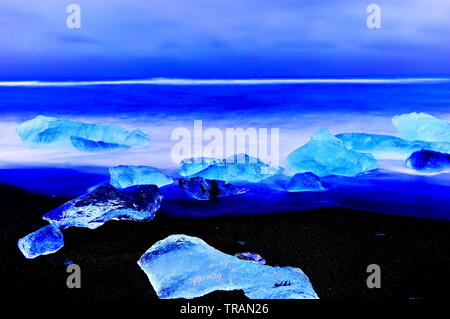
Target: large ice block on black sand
[181,266]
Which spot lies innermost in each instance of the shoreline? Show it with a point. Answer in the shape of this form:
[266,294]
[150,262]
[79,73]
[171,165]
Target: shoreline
[333,246]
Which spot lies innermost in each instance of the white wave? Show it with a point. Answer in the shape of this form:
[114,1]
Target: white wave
[175,81]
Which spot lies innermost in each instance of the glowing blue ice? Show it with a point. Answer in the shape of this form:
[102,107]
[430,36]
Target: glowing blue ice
[304,182]
[426,160]
[44,131]
[44,241]
[204,189]
[326,155]
[190,166]
[423,127]
[125,176]
[235,168]
[85,145]
[181,266]
[107,203]
[388,147]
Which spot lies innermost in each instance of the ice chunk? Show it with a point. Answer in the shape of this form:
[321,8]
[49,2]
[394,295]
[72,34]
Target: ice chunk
[326,155]
[304,182]
[44,241]
[388,147]
[191,166]
[426,160]
[235,168]
[43,131]
[423,127]
[253,257]
[125,176]
[181,266]
[201,188]
[83,144]
[105,203]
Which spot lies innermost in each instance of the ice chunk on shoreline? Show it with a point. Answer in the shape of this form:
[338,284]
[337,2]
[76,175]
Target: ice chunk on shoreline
[326,155]
[44,130]
[304,182]
[253,257]
[388,147]
[204,189]
[235,168]
[44,241]
[426,160]
[181,266]
[125,176]
[190,166]
[107,203]
[423,127]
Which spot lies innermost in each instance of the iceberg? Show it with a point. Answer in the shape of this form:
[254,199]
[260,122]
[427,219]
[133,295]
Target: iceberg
[181,266]
[107,203]
[52,131]
[426,160]
[126,176]
[236,168]
[387,146]
[44,241]
[204,189]
[423,127]
[253,257]
[326,155]
[304,182]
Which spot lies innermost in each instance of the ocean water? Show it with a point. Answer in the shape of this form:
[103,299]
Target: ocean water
[296,108]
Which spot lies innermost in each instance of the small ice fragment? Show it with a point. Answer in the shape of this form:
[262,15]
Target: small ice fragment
[44,241]
[253,257]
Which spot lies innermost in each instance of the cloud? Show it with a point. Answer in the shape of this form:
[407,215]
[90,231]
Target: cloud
[252,36]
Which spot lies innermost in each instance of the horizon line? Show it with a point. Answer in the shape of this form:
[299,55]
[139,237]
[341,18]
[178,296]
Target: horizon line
[255,81]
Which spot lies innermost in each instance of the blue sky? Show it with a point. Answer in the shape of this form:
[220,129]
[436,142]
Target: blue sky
[222,38]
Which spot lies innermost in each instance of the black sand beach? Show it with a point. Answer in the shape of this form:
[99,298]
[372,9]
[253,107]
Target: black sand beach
[333,246]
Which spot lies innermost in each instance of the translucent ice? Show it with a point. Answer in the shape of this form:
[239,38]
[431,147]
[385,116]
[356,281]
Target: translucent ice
[85,145]
[253,257]
[107,203]
[304,182]
[181,266]
[235,168]
[388,147]
[326,155]
[204,189]
[423,127]
[43,130]
[44,241]
[190,166]
[426,160]
[125,176]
